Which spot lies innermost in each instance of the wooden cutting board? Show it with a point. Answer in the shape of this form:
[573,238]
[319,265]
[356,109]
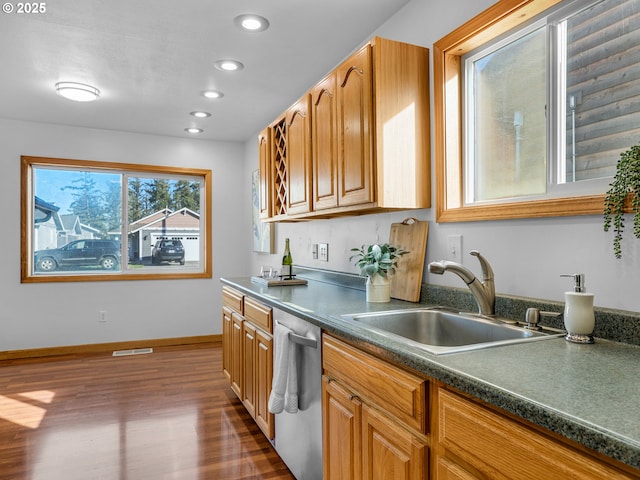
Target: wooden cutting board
[410,235]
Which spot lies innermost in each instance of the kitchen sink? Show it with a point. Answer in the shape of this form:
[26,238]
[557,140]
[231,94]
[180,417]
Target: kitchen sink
[441,331]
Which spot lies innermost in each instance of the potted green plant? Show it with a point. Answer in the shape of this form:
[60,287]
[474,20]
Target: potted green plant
[625,183]
[377,262]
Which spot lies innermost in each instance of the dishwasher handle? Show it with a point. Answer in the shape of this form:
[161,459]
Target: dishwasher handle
[304,341]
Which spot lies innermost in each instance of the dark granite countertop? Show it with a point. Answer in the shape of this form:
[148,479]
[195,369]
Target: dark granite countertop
[587,393]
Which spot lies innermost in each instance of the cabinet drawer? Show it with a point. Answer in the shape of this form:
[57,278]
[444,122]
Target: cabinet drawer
[500,447]
[394,390]
[232,298]
[259,314]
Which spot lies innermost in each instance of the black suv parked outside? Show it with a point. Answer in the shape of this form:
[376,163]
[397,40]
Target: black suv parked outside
[168,250]
[80,253]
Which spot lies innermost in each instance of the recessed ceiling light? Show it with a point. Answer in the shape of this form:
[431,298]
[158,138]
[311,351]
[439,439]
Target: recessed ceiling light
[193,130]
[200,114]
[78,92]
[251,23]
[229,65]
[212,94]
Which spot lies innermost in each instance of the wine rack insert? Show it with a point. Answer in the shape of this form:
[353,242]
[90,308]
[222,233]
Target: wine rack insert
[279,158]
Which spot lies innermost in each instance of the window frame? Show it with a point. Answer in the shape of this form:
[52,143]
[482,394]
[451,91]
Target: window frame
[449,123]
[26,219]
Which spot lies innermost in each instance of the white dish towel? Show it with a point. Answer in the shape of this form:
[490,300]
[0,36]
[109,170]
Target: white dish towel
[284,388]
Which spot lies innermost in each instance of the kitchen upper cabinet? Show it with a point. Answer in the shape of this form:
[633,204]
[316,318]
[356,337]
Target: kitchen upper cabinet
[324,141]
[278,193]
[355,123]
[359,142]
[401,127]
[264,169]
[298,156]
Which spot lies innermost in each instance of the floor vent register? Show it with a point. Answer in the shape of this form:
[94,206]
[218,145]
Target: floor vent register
[135,351]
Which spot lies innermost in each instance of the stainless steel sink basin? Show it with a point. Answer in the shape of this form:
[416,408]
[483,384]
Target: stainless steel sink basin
[440,331]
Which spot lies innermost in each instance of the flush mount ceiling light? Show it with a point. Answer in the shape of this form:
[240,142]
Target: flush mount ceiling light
[78,92]
[193,130]
[229,65]
[251,23]
[200,114]
[212,94]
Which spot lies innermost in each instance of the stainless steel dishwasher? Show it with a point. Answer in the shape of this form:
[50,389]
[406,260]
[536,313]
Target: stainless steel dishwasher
[298,436]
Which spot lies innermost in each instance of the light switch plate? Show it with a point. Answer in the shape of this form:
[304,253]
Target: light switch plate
[323,252]
[454,248]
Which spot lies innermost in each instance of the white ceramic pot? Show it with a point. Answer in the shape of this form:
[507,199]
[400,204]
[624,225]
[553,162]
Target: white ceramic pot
[378,289]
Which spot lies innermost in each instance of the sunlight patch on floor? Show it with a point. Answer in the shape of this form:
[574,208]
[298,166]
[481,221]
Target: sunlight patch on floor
[23,413]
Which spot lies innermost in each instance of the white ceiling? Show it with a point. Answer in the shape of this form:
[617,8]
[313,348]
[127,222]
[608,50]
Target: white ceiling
[152,58]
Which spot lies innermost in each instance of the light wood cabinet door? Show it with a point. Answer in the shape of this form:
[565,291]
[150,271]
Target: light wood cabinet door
[341,432]
[264,173]
[237,354]
[226,342]
[249,368]
[355,124]
[263,379]
[299,157]
[504,449]
[324,143]
[448,470]
[401,394]
[390,451]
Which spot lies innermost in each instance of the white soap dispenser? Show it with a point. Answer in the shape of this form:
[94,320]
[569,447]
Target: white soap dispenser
[579,319]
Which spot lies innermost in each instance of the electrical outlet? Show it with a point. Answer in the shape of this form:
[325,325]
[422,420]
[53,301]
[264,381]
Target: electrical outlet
[454,247]
[314,251]
[323,252]
[102,316]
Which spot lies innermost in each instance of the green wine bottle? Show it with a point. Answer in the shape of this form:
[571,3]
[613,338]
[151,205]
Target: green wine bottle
[287,261]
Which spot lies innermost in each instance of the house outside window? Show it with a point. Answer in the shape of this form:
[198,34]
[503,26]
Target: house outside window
[534,103]
[553,103]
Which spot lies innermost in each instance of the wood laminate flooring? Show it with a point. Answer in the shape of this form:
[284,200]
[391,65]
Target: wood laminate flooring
[165,415]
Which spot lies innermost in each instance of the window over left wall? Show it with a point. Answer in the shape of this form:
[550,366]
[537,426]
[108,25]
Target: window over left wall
[94,221]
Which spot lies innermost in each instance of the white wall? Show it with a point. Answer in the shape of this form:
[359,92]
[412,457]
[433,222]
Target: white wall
[60,314]
[527,255]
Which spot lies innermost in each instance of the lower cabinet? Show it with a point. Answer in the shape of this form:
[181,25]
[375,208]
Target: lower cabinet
[477,442]
[237,354]
[362,438]
[390,450]
[247,344]
[263,377]
[341,432]
[248,395]
[381,421]
[385,422]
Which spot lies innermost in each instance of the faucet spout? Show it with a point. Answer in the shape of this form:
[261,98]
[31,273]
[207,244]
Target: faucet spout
[483,291]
